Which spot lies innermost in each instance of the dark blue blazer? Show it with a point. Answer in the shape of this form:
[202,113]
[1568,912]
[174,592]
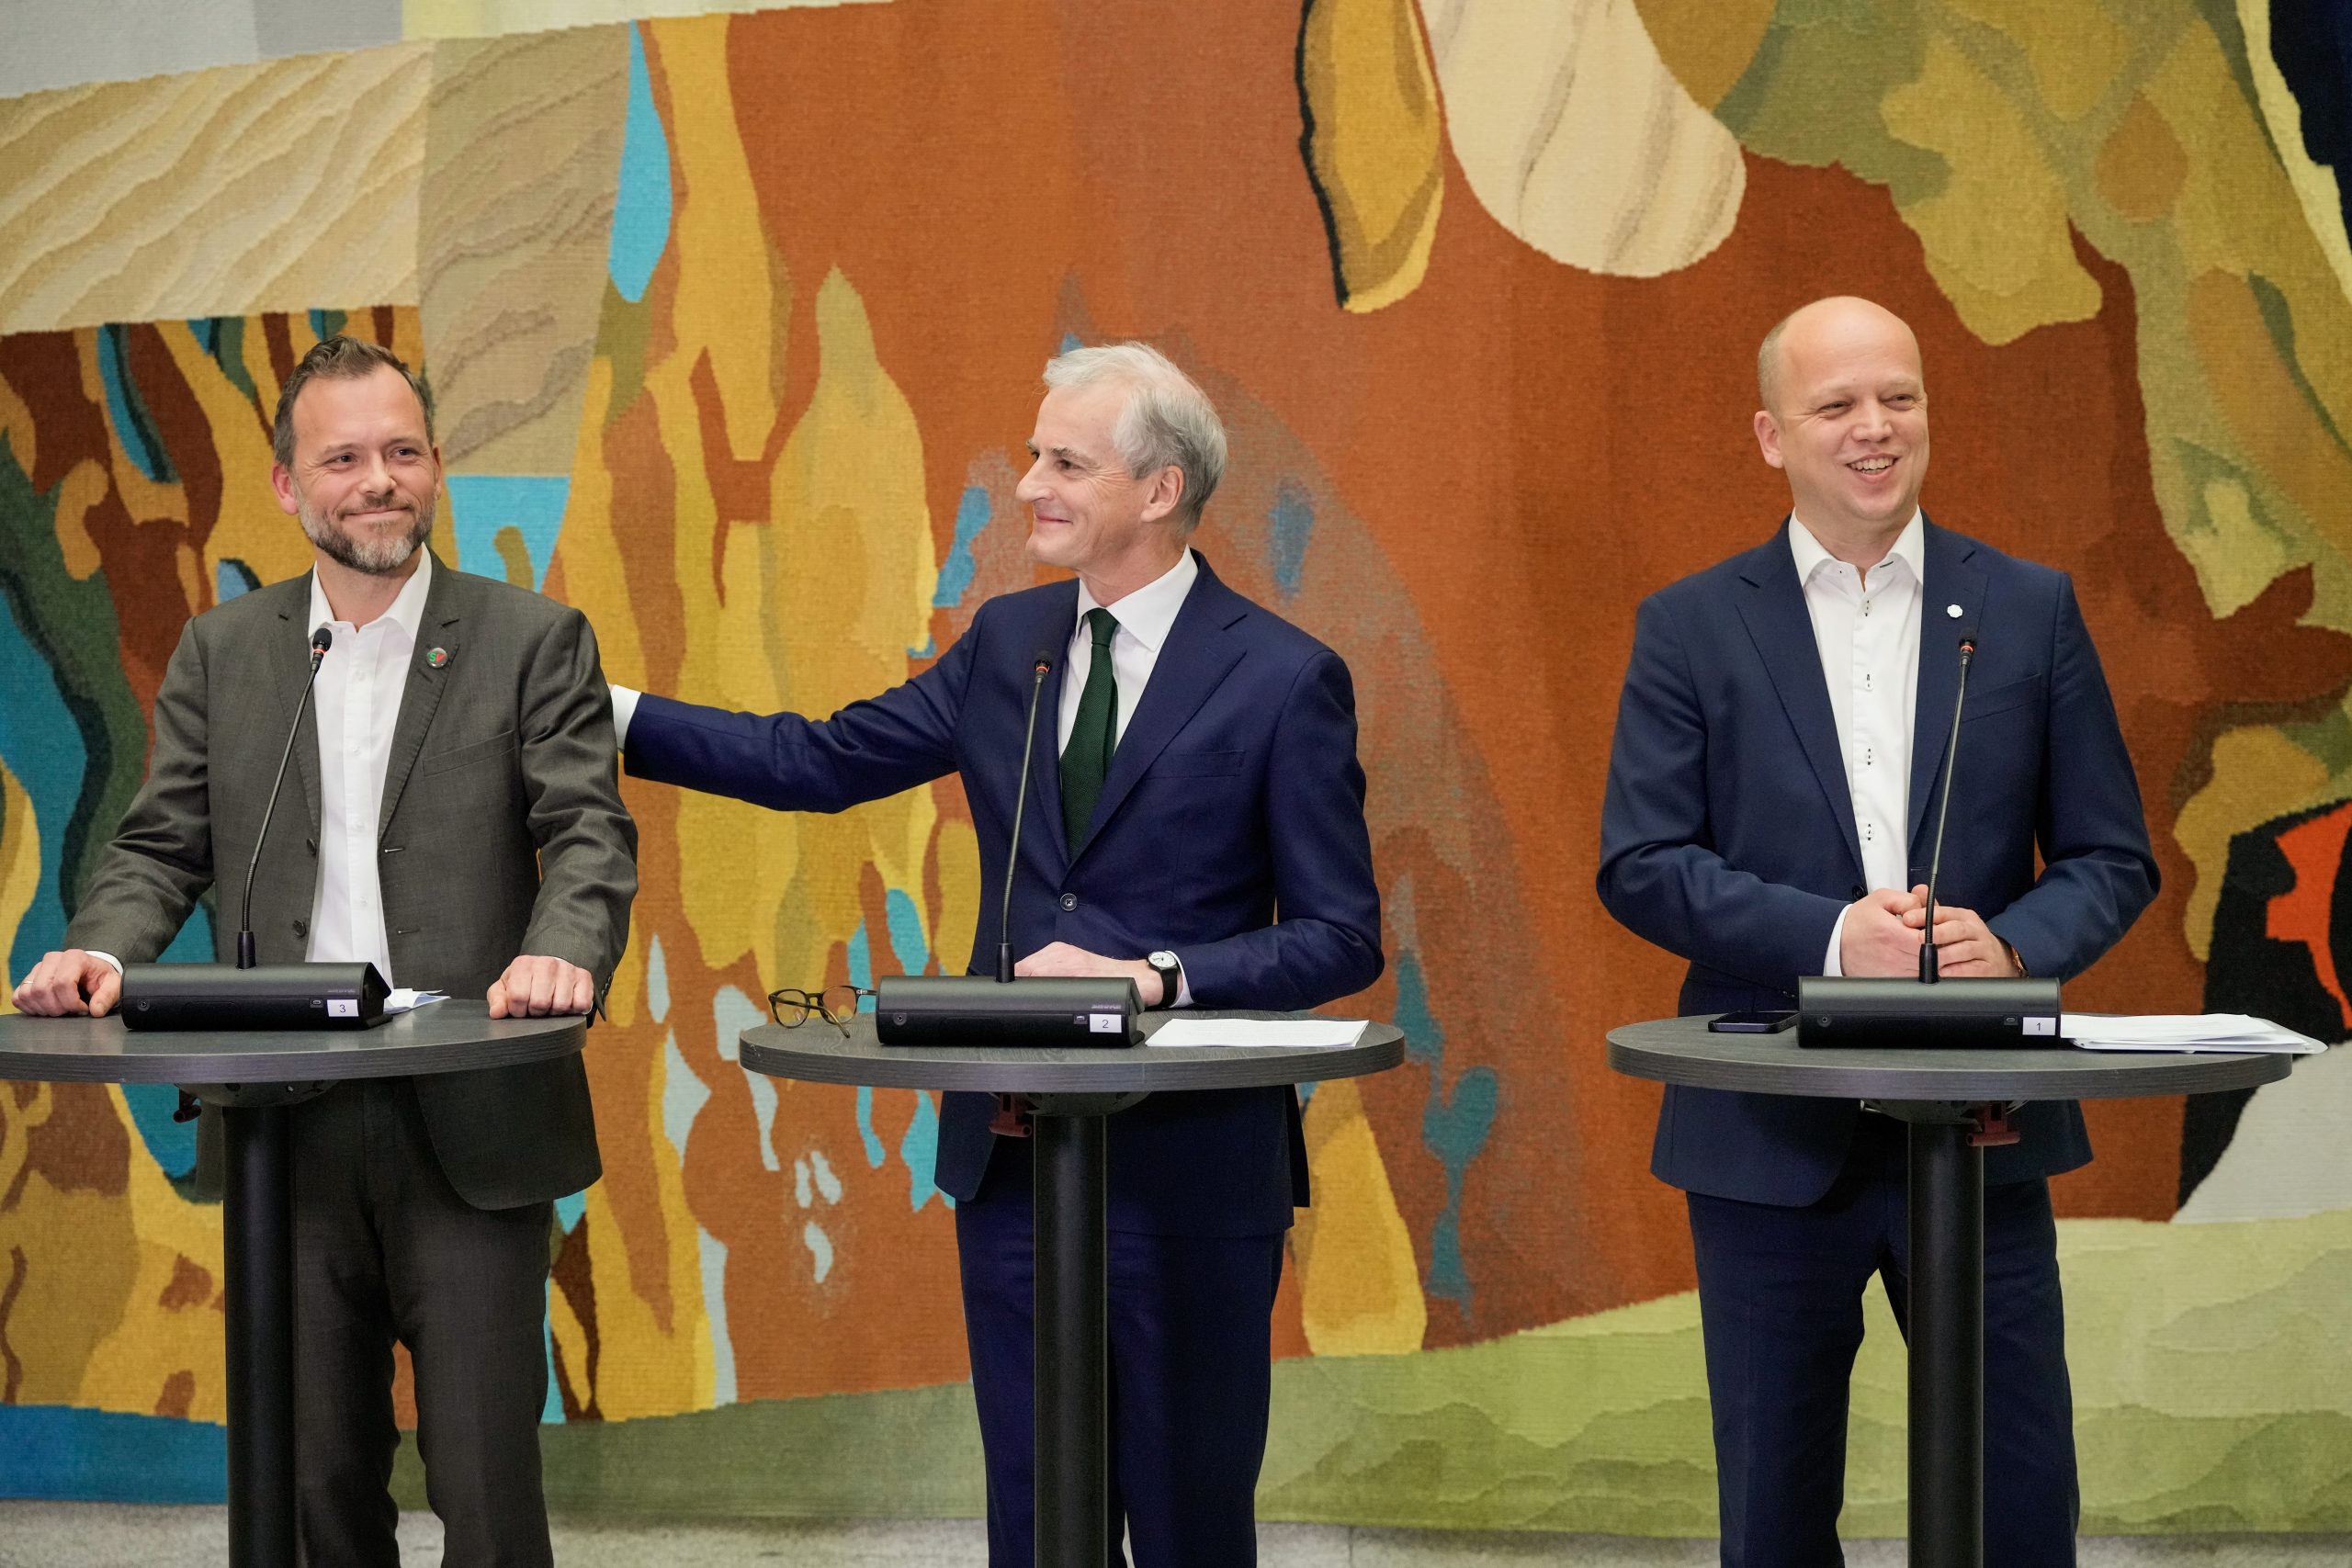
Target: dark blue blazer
[1727,836]
[1230,829]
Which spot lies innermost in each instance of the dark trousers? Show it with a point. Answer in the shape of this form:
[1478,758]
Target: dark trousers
[1779,1297]
[385,1249]
[1191,1353]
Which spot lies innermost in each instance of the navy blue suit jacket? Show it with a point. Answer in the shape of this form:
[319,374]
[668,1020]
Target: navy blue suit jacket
[1729,833]
[1235,797]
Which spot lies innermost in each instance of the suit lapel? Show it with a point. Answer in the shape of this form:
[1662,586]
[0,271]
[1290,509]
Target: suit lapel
[1952,579]
[1781,629]
[1048,632]
[422,696]
[289,670]
[1193,662]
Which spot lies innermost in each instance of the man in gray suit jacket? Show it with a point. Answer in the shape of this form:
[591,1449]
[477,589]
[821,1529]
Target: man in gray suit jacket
[452,815]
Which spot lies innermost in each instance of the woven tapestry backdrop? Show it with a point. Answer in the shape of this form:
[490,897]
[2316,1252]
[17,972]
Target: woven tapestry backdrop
[735,318]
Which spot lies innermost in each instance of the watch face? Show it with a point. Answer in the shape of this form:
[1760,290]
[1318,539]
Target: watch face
[1162,960]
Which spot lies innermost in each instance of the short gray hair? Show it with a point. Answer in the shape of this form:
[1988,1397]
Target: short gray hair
[1167,419]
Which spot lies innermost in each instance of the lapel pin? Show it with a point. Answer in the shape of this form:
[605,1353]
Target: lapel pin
[1951,610]
[440,656]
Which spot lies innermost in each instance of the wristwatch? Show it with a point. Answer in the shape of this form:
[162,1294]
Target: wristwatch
[1171,975]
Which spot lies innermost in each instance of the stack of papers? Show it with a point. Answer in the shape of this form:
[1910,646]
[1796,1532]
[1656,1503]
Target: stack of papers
[2226,1032]
[404,999]
[1197,1031]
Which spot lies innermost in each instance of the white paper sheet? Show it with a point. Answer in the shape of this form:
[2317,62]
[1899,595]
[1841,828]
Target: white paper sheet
[403,1000]
[1195,1032]
[2223,1032]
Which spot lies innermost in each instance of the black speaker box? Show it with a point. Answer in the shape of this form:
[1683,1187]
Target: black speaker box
[269,995]
[973,1009]
[1981,1014]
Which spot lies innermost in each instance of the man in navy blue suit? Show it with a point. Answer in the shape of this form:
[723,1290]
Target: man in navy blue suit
[1779,738]
[1196,823]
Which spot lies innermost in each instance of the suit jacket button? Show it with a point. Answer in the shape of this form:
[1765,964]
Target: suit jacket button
[1860,892]
[301,928]
[1069,902]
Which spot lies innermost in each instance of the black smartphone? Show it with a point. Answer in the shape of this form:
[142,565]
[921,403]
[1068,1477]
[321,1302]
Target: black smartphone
[1752,1022]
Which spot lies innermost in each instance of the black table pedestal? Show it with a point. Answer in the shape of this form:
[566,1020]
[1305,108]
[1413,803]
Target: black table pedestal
[258,1251]
[1947,1350]
[1939,1092]
[1073,1482]
[1072,1290]
[1072,1093]
[253,1075]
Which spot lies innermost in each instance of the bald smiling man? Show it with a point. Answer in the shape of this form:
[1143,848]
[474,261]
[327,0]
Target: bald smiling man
[1779,738]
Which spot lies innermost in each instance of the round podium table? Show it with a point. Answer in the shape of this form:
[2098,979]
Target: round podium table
[1070,1093]
[254,1076]
[1946,1098]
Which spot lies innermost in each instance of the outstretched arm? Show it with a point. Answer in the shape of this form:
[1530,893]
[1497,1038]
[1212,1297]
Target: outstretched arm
[873,749]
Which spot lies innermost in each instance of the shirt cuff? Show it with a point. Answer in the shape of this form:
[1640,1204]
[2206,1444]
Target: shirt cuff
[624,709]
[1183,994]
[107,956]
[1832,962]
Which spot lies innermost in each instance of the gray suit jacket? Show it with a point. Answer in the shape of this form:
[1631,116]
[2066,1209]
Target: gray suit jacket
[501,834]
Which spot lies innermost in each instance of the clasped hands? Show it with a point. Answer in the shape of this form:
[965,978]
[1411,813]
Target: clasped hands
[1882,937]
[1061,958]
[74,982]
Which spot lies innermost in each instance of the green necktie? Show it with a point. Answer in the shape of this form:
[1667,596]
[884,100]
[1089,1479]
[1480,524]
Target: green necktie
[1086,760]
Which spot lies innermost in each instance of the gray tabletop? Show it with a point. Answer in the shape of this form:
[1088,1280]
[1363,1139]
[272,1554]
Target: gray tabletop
[818,1052]
[1681,1051]
[451,1036]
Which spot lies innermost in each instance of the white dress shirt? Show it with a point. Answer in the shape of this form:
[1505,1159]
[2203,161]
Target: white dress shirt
[1143,617]
[357,702]
[1866,628]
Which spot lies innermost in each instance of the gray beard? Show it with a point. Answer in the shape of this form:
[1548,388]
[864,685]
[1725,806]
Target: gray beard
[380,557]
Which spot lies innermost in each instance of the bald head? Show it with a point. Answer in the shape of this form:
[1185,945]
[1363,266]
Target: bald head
[1845,417]
[1841,318]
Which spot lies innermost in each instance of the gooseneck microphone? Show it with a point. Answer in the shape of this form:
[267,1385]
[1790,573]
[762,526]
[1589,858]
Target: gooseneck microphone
[321,640]
[1927,960]
[1041,664]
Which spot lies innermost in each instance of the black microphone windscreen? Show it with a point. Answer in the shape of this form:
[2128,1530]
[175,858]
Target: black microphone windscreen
[323,640]
[1041,661]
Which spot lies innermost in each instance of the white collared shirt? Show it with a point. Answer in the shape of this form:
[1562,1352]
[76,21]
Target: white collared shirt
[357,702]
[1866,629]
[1143,617]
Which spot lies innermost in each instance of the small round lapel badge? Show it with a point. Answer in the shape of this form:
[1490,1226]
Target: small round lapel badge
[440,656]
[1951,610]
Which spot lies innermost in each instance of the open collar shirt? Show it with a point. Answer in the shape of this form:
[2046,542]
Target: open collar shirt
[1866,629]
[357,703]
